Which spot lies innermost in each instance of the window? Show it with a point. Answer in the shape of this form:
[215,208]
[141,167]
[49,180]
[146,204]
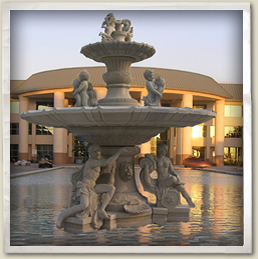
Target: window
[80,149]
[233,131]
[199,131]
[200,106]
[43,130]
[233,111]
[175,132]
[212,131]
[44,150]
[30,129]
[198,152]
[14,107]
[231,155]
[14,152]
[44,105]
[14,128]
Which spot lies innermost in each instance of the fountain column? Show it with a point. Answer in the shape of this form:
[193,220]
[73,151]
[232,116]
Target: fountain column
[187,131]
[23,129]
[60,145]
[219,132]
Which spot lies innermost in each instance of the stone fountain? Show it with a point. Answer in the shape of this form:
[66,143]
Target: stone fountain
[105,193]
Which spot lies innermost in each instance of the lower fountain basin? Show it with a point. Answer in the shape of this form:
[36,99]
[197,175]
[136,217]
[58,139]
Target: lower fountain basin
[118,126]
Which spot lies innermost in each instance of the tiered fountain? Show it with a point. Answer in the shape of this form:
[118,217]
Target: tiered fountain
[117,124]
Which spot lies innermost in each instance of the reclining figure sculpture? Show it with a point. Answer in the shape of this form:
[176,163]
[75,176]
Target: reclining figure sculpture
[167,180]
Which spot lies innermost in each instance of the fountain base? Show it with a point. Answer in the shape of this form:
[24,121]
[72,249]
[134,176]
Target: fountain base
[159,216]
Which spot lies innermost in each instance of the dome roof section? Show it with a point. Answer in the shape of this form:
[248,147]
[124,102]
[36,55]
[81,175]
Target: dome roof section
[175,79]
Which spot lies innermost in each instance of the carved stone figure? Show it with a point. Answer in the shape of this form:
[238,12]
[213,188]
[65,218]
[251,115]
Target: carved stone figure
[128,29]
[85,201]
[155,87]
[167,178]
[83,91]
[110,24]
[92,94]
[126,171]
[80,91]
[114,30]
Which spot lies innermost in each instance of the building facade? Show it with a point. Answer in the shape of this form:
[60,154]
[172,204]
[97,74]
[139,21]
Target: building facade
[219,140]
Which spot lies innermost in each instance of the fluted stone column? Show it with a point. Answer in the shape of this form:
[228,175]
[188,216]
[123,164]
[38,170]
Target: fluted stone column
[187,131]
[219,132]
[60,138]
[23,129]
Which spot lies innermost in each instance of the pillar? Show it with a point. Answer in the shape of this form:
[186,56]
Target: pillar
[187,131]
[179,140]
[23,129]
[171,145]
[219,132]
[146,148]
[60,135]
[208,138]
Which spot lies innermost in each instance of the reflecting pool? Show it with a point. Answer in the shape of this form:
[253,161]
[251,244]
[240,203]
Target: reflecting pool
[217,219]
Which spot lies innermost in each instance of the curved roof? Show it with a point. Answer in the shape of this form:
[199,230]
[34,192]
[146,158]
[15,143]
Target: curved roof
[175,79]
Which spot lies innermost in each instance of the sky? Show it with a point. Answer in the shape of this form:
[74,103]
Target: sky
[204,42]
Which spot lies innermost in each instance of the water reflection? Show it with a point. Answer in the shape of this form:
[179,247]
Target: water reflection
[217,219]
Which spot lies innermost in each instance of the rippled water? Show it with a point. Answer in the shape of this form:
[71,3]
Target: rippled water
[217,219]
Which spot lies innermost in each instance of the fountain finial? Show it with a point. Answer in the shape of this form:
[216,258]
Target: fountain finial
[116,29]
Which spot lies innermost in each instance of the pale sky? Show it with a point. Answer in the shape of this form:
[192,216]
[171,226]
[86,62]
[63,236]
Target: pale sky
[204,42]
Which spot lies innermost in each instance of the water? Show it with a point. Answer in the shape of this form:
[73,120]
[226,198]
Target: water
[217,219]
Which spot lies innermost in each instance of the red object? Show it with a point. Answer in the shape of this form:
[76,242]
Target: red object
[195,162]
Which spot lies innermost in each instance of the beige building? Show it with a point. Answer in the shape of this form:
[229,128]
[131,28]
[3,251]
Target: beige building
[219,140]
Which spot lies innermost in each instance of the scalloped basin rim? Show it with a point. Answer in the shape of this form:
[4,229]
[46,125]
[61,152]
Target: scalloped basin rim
[104,116]
[119,109]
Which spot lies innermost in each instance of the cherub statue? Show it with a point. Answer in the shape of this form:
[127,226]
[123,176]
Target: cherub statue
[167,176]
[110,24]
[80,89]
[155,87]
[127,28]
[85,199]
[92,94]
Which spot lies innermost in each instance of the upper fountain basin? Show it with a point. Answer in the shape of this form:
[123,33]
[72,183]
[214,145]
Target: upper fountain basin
[119,116]
[118,126]
[99,51]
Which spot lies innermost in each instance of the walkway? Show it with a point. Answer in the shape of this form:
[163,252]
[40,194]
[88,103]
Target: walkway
[16,171]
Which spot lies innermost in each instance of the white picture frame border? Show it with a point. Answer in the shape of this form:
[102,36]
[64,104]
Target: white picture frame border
[247,122]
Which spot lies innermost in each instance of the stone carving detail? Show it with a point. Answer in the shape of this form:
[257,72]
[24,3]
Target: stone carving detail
[86,197]
[116,29]
[133,203]
[126,171]
[167,178]
[83,91]
[155,87]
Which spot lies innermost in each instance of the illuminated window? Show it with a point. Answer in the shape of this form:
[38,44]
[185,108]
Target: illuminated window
[42,130]
[200,106]
[233,111]
[14,107]
[233,131]
[231,155]
[212,131]
[199,131]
